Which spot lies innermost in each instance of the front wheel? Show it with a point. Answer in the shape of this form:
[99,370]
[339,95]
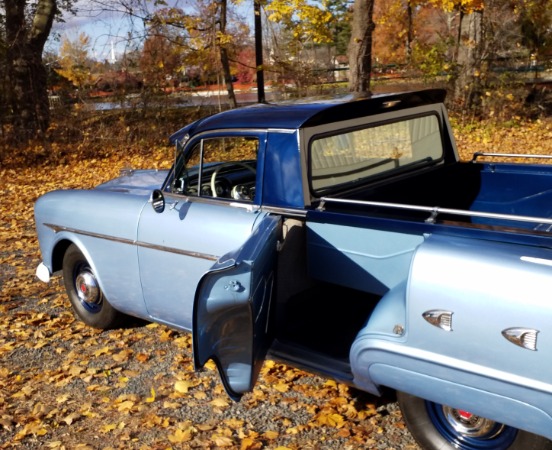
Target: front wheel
[439,427]
[83,290]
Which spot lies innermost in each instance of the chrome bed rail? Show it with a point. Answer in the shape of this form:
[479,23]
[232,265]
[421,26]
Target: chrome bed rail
[508,155]
[434,211]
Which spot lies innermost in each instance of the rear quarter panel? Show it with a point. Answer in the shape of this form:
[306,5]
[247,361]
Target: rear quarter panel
[487,287]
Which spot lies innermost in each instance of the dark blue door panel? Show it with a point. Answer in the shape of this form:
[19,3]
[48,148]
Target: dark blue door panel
[232,308]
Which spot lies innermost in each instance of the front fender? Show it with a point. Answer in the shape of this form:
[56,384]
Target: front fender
[103,225]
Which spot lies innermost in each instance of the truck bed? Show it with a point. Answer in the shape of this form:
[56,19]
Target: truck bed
[479,194]
[359,246]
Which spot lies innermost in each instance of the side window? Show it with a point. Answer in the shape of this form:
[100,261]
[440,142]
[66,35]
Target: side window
[222,167]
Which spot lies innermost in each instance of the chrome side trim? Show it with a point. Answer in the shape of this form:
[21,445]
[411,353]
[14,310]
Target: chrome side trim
[522,337]
[542,261]
[59,228]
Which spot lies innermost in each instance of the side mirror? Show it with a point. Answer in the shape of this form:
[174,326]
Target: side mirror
[157,200]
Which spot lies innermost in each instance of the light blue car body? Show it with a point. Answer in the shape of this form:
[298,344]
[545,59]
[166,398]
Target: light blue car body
[450,299]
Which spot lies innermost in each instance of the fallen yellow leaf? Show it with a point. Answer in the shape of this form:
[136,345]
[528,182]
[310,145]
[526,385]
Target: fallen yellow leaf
[152,398]
[250,444]
[71,418]
[271,435]
[210,365]
[125,406]
[142,357]
[182,386]
[222,441]
[102,351]
[108,428]
[180,436]
[219,402]
[281,387]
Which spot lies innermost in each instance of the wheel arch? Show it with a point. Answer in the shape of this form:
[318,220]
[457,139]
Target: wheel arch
[507,409]
[438,427]
[58,252]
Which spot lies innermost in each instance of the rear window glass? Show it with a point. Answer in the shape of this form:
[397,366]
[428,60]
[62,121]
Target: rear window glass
[353,156]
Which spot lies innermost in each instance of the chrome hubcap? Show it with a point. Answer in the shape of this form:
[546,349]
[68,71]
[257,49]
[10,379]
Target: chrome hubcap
[87,287]
[467,424]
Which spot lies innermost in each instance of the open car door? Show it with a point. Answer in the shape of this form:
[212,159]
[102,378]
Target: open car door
[232,306]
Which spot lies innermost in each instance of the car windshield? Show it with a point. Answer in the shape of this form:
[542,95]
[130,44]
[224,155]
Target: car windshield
[354,156]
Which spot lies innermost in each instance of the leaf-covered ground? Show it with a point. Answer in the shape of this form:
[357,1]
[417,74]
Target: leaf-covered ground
[67,386]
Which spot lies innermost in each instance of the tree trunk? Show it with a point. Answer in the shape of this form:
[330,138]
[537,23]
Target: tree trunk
[467,90]
[360,47]
[228,77]
[25,44]
[224,56]
[409,33]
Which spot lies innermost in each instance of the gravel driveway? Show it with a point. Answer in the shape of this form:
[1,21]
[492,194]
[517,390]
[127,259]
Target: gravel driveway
[64,385]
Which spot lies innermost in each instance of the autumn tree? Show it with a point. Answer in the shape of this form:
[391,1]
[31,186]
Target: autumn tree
[391,42]
[203,36]
[437,37]
[74,60]
[245,65]
[341,24]
[161,56]
[360,47]
[299,28]
[535,20]
[26,27]
[223,39]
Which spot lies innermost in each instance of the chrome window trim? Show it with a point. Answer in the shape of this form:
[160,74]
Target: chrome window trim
[250,207]
[59,229]
[219,201]
[216,132]
[288,212]
[282,130]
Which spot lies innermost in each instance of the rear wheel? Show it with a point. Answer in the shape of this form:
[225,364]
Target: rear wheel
[83,289]
[439,427]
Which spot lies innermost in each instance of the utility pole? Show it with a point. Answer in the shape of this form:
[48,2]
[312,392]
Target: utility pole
[259,52]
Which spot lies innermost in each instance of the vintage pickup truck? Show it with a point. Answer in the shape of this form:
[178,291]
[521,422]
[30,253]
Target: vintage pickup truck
[343,237]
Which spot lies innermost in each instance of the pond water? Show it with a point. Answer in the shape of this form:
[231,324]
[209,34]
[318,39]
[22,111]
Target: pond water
[202,98]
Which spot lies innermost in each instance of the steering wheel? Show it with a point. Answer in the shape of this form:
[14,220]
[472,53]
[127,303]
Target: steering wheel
[220,166]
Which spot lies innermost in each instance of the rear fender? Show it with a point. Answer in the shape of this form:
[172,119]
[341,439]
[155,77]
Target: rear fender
[471,294]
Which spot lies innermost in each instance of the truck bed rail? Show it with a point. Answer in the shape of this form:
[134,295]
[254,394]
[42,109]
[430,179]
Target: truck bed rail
[508,155]
[434,211]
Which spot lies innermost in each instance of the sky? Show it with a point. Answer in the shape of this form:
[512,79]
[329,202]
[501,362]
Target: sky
[109,30]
